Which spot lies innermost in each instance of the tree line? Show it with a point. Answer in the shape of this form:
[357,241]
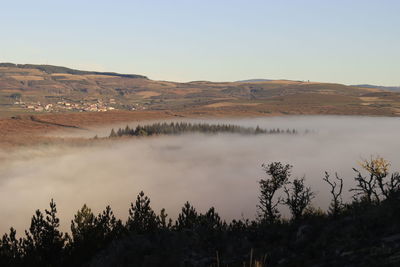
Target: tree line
[175,128]
[205,239]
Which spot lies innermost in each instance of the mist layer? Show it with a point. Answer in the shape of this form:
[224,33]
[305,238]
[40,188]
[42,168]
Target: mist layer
[207,170]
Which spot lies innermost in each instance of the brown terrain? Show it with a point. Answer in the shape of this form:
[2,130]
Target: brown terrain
[37,99]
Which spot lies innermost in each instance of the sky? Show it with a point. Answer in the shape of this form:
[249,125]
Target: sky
[342,41]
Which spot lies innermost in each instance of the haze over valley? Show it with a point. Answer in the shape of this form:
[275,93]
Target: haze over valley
[224,168]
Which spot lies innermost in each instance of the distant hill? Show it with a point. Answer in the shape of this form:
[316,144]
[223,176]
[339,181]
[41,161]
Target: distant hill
[254,80]
[387,88]
[49,69]
[30,88]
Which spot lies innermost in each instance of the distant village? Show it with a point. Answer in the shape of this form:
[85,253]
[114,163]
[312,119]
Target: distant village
[82,106]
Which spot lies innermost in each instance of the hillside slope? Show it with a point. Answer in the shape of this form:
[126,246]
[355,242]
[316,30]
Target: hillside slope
[30,88]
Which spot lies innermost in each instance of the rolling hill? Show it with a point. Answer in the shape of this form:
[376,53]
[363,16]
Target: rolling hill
[385,88]
[31,88]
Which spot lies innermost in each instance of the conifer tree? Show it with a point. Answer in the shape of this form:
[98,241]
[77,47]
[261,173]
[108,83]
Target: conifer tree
[44,242]
[188,218]
[113,134]
[91,233]
[108,225]
[142,218]
[211,220]
[10,249]
[83,225]
[163,222]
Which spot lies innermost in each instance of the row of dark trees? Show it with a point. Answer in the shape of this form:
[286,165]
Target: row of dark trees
[175,128]
[45,245]
[99,239]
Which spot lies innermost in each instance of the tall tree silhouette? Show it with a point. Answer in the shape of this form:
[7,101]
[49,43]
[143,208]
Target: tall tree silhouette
[142,218]
[44,243]
[188,218]
[298,197]
[279,175]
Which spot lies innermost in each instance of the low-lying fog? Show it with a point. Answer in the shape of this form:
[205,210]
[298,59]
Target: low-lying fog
[207,170]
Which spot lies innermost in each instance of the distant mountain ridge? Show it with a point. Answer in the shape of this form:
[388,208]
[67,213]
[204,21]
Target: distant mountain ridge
[387,88]
[50,69]
[254,80]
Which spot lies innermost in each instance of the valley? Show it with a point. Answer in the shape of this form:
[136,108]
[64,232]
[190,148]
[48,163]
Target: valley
[37,99]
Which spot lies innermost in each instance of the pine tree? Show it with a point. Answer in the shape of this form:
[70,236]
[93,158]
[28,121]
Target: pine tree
[83,225]
[44,243]
[211,220]
[10,249]
[188,218]
[91,234]
[110,227]
[162,218]
[142,218]
[127,130]
[113,134]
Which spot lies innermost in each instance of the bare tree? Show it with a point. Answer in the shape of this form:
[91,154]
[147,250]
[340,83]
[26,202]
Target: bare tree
[365,188]
[298,197]
[279,176]
[336,192]
[393,186]
[375,186]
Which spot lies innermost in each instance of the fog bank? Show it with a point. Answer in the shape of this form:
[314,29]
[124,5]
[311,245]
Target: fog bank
[207,170]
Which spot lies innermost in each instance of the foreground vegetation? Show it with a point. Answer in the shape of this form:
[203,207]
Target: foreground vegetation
[184,127]
[364,232]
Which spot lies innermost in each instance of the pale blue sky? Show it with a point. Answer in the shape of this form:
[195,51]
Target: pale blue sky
[341,41]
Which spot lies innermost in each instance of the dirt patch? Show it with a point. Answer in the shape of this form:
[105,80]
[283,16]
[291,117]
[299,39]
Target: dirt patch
[369,98]
[68,77]
[229,104]
[27,78]
[148,94]
[185,91]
